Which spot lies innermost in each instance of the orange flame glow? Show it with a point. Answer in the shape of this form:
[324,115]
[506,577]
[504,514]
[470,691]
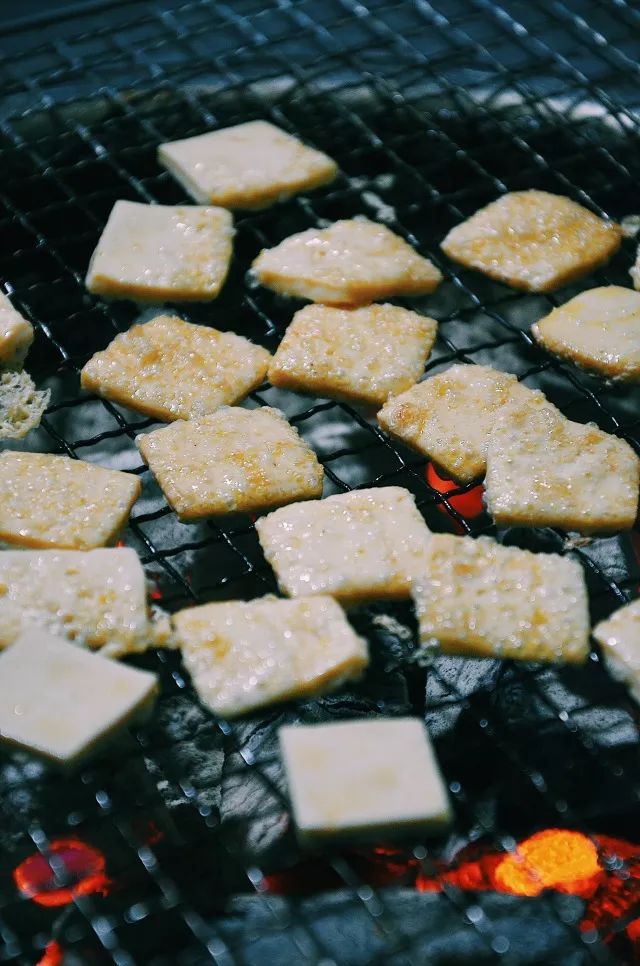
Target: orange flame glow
[554,859]
[83,866]
[468,505]
[53,955]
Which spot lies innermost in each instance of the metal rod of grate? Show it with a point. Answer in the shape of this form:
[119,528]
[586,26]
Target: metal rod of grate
[503,96]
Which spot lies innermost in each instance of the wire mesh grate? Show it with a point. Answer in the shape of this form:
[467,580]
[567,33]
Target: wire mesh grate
[431,110]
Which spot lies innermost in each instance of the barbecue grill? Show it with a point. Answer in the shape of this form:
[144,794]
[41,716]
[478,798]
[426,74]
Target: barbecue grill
[177,847]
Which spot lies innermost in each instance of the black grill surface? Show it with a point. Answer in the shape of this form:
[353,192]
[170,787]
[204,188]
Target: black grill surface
[431,110]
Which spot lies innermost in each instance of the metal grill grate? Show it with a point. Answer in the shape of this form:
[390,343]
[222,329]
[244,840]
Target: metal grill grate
[431,110]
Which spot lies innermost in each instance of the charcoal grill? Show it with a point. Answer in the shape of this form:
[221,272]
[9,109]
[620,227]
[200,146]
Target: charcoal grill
[431,110]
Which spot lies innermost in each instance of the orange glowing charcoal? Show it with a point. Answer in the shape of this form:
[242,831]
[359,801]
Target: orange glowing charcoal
[468,505]
[81,867]
[53,955]
[553,859]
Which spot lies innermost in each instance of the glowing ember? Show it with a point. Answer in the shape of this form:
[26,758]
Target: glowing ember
[553,859]
[82,868]
[53,955]
[468,505]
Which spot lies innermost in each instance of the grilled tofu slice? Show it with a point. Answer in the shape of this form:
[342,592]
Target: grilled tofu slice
[350,263]
[478,598]
[151,253]
[599,330]
[16,335]
[533,240]
[619,640]
[248,166]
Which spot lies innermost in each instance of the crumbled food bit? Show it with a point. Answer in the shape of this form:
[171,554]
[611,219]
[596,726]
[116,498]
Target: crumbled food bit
[448,417]
[533,240]
[243,656]
[21,404]
[481,599]
[232,461]
[250,165]
[349,263]
[598,330]
[55,501]
[170,369]
[61,702]
[360,546]
[16,335]
[619,640]
[95,598]
[361,355]
[149,253]
[543,470]
[372,778]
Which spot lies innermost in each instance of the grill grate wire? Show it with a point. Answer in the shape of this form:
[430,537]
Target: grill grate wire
[155,73]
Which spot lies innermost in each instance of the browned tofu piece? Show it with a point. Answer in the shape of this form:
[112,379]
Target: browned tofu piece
[16,334]
[533,240]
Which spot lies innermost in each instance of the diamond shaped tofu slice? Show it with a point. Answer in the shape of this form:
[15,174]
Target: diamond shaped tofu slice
[361,355]
[170,369]
[619,640]
[250,165]
[448,417]
[55,501]
[243,656]
[478,598]
[16,334]
[150,253]
[360,546]
[598,330]
[349,263]
[96,598]
[543,470]
[232,461]
[62,703]
[533,240]
[372,778]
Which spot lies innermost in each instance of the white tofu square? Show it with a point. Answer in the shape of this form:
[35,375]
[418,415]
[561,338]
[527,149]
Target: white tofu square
[533,240]
[151,253]
[619,640]
[478,598]
[170,369]
[357,547]
[250,165]
[448,417]
[361,355]
[22,406]
[16,334]
[545,471]
[61,702]
[232,461]
[599,330]
[55,501]
[350,263]
[95,598]
[363,779]
[243,656]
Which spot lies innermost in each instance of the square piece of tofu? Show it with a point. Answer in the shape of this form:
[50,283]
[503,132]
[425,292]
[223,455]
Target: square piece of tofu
[545,471]
[248,166]
[360,355]
[349,263]
[448,417]
[599,330]
[232,461]
[363,780]
[478,598]
[95,598]
[151,253]
[61,703]
[357,547]
[243,656]
[170,369]
[55,501]
[619,640]
[16,334]
[533,240]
